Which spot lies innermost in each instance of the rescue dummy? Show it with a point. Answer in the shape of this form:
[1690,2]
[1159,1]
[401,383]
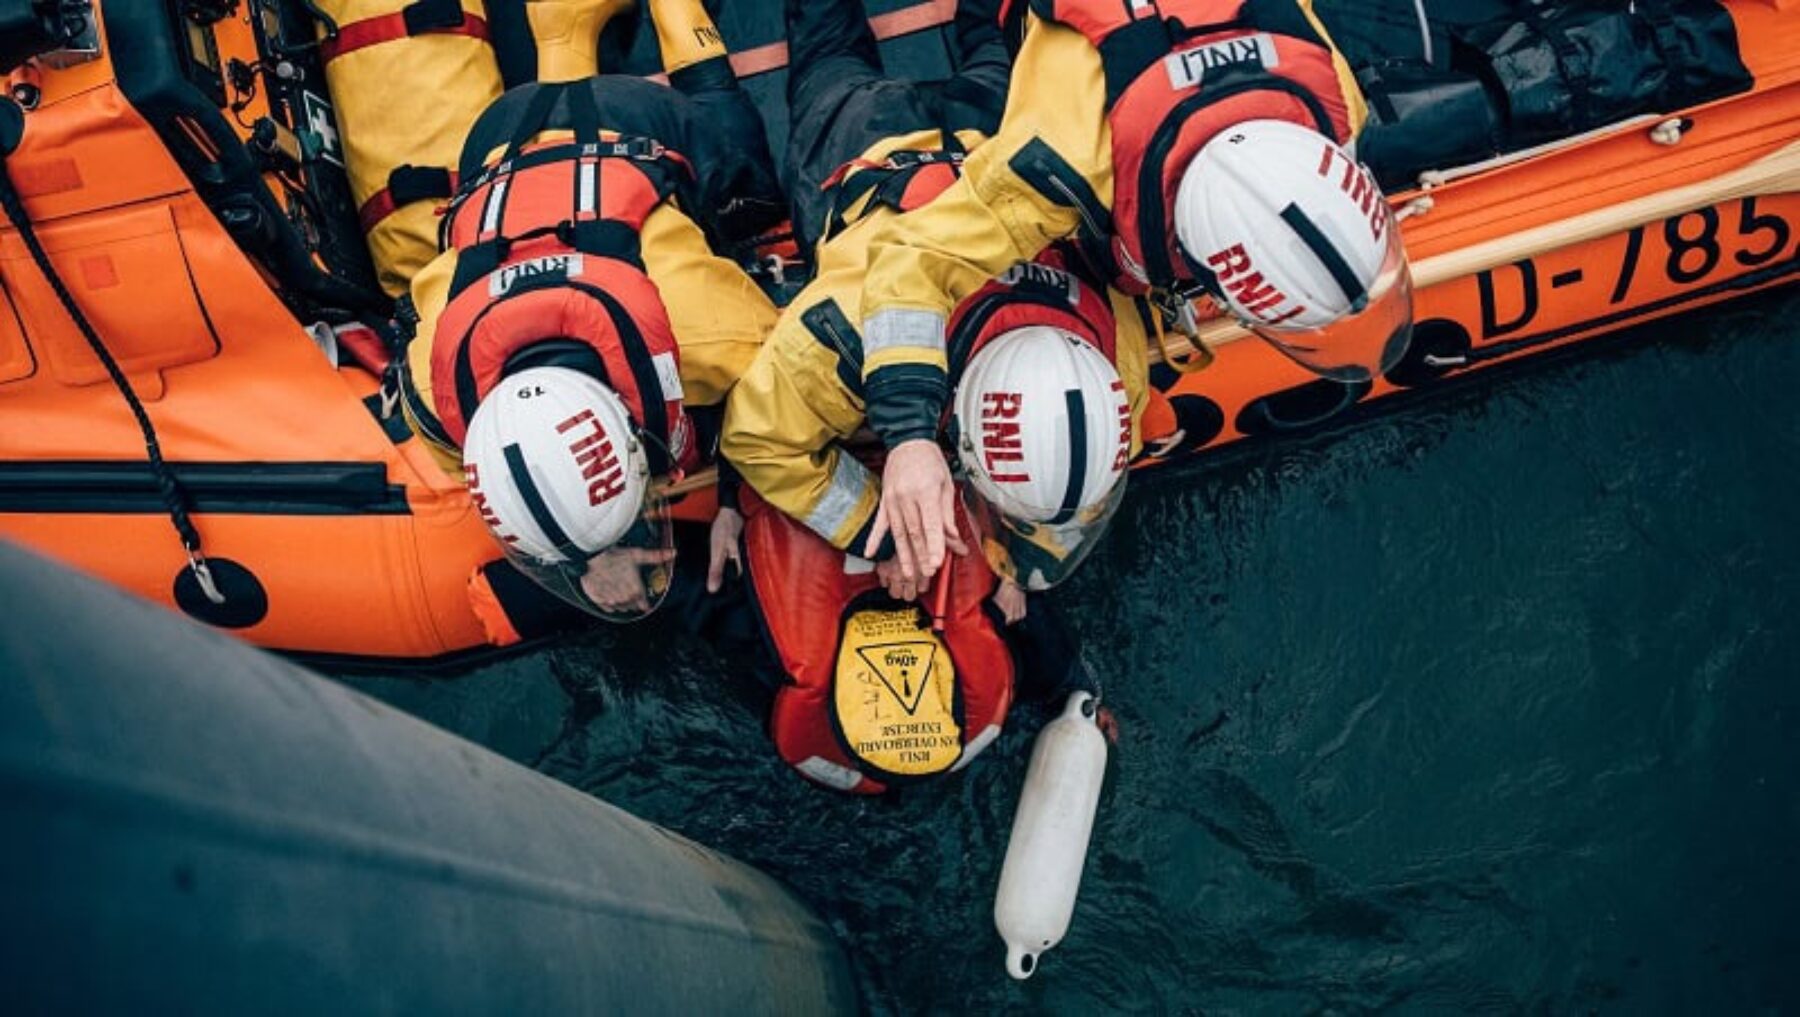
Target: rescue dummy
[1043,427]
[872,692]
[578,328]
[1204,147]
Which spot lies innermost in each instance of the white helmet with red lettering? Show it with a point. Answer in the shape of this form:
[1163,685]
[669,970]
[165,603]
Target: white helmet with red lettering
[559,472]
[1043,433]
[1296,238]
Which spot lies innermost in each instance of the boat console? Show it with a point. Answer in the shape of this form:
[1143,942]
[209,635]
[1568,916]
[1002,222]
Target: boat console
[235,91]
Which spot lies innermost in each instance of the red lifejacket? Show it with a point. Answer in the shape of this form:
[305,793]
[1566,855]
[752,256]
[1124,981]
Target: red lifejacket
[1178,72]
[547,252]
[904,180]
[807,598]
[1055,288]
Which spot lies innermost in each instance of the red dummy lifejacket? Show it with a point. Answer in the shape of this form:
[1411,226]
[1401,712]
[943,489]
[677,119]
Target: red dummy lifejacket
[1178,72]
[547,242]
[1056,288]
[842,640]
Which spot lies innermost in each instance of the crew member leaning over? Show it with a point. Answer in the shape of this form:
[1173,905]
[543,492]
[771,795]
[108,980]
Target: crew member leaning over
[1208,143]
[717,313]
[578,334]
[848,656]
[861,153]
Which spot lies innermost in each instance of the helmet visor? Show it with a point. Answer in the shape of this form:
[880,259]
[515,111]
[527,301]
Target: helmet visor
[1369,340]
[1037,556]
[622,583]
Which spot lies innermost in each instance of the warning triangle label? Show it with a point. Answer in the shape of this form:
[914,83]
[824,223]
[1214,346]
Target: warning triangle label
[904,668]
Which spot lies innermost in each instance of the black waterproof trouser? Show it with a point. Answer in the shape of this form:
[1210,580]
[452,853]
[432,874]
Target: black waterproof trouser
[840,101]
[757,206]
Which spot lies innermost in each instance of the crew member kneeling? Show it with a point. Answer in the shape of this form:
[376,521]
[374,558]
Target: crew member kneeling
[575,318]
[1207,142]
[883,689]
[880,690]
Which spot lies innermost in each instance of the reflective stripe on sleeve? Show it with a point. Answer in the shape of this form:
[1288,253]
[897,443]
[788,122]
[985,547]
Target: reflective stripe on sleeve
[902,327]
[849,480]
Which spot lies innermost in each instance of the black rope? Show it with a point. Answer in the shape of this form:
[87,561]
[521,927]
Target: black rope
[173,498]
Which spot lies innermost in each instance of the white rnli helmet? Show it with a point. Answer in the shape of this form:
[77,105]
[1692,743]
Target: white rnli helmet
[1299,243]
[1043,431]
[559,473]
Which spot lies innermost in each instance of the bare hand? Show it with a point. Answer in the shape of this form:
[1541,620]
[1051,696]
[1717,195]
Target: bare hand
[614,580]
[897,585]
[1010,599]
[918,506]
[727,527]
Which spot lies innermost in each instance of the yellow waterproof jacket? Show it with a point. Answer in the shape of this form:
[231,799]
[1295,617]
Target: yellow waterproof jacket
[922,264]
[792,413]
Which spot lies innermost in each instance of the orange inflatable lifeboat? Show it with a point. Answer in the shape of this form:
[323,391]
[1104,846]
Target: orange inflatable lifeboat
[180,168]
[1563,242]
[168,185]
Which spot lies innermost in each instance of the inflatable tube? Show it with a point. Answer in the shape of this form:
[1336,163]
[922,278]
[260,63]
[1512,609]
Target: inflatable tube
[193,826]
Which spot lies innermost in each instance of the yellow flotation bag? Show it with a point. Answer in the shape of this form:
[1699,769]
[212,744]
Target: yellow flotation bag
[408,80]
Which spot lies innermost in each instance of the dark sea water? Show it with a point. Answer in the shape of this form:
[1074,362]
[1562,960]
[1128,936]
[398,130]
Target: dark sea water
[1488,705]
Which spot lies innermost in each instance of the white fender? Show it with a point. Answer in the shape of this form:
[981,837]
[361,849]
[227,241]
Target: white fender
[1050,832]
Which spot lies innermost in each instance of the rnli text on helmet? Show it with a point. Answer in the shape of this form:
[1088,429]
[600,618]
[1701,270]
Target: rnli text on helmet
[1000,441]
[595,458]
[479,499]
[1124,452]
[1359,187]
[1247,287]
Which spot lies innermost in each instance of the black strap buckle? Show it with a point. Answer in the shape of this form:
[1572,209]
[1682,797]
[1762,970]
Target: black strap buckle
[426,16]
[407,184]
[911,157]
[638,148]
